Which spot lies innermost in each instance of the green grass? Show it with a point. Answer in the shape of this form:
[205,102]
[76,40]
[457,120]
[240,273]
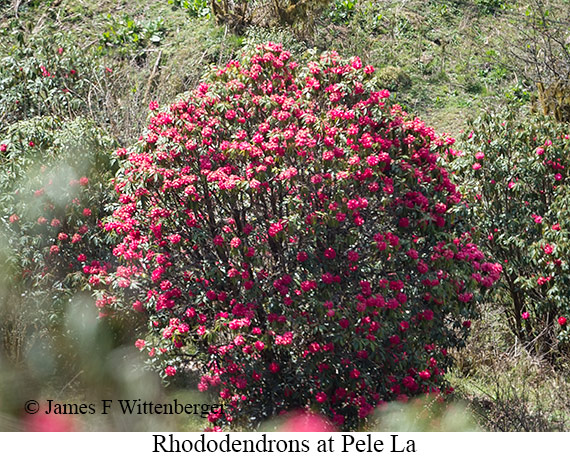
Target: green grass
[453,52]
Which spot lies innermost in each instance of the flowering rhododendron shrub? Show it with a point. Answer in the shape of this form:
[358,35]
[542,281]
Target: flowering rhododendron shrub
[292,233]
[53,184]
[514,170]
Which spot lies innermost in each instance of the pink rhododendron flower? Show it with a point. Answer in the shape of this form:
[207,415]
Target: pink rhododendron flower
[330,253]
[321,397]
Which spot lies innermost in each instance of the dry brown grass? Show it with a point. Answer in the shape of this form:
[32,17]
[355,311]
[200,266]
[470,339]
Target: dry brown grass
[509,387]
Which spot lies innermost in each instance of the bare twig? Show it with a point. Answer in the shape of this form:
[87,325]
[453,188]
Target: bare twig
[17,4]
[222,46]
[152,75]
[70,382]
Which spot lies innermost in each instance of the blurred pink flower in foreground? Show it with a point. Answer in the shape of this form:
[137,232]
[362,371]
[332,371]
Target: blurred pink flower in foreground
[48,423]
[305,422]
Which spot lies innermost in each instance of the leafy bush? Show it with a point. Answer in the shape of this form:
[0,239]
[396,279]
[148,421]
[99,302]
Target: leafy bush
[291,233]
[128,35]
[514,171]
[46,77]
[342,10]
[52,193]
[195,8]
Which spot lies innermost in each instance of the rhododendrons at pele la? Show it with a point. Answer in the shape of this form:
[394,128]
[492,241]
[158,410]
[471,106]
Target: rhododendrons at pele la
[514,171]
[291,233]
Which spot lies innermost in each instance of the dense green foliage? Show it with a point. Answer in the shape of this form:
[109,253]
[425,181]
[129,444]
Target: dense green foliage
[40,77]
[513,171]
[53,189]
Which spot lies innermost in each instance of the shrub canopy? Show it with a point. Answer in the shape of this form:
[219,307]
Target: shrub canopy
[293,234]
